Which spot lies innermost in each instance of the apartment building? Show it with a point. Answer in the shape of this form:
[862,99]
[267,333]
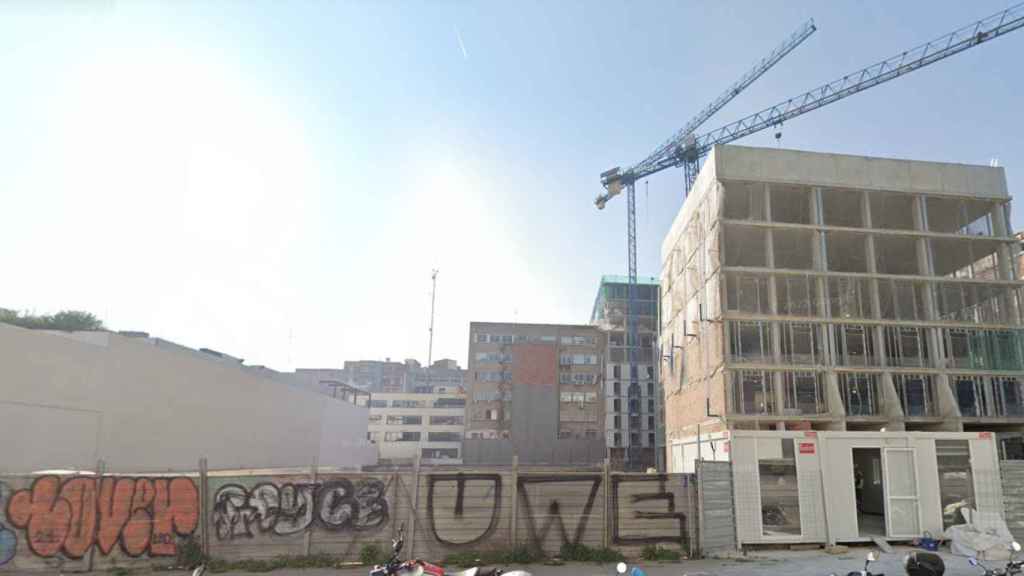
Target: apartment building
[535,390]
[634,417]
[810,291]
[407,426]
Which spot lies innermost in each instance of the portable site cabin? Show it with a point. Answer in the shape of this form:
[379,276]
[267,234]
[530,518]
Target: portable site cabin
[828,487]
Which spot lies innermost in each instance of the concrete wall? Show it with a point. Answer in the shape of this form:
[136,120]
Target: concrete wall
[144,404]
[81,522]
[717,523]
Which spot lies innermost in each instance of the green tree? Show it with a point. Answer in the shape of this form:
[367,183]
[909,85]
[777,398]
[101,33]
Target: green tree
[66,320]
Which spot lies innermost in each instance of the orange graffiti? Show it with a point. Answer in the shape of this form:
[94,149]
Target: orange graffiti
[143,514]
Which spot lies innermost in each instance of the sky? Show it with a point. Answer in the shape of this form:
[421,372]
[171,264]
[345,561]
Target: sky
[278,180]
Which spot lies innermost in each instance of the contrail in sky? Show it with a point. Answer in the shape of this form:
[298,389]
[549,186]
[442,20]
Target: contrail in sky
[458,36]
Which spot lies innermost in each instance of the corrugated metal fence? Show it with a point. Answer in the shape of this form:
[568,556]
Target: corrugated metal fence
[86,521]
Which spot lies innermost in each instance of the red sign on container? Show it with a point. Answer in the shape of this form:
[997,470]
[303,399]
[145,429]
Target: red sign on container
[807,448]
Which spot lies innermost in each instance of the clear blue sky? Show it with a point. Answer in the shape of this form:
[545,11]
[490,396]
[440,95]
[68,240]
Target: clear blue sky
[277,180]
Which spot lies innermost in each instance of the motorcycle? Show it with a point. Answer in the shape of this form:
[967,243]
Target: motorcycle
[621,568]
[417,567]
[923,564]
[871,557]
[1012,568]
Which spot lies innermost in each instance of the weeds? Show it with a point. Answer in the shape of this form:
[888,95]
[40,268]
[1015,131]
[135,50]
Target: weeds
[517,555]
[312,561]
[190,553]
[654,553]
[371,554]
[584,553]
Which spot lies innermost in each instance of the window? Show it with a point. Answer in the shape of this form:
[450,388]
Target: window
[744,246]
[860,394]
[849,297]
[634,439]
[796,295]
[481,338]
[617,371]
[804,393]
[970,393]
[446,421]
[750,342]
[618,422]
[650,439]
[842,207]
[794,249]
[650,388]
[915,393]
[650,422]
[407,404]
[956,481]
[650,404]
[752,392]
[892,211]
[901,300]
[618,439]
[800,343]
[616,388]
[906,346]
[617,405]
[854,345]
[374,419]
[744,201]
[896,255]
[1008,396]
[378,403]
[790,204]
[405,420]
[444,436]
[401,436]
[450,403]
[747,293]
[846,252]
[440,453]
[780,496]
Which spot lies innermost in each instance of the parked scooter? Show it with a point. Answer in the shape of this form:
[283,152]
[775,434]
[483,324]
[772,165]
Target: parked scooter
[417,567]
[921,563]
[1012,567]
[622,568]
[871,557]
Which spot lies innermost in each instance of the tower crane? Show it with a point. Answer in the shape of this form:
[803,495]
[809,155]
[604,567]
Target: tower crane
[688,150]
[614,179]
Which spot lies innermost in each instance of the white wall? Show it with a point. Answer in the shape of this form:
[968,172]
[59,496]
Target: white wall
[144,404]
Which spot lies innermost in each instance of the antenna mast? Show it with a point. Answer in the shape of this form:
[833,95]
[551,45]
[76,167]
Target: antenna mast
[433,292]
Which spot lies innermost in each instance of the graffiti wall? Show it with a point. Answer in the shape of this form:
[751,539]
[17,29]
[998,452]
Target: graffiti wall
[85,522]
[80,521]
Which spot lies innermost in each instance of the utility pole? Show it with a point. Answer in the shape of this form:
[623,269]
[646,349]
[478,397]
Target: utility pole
[430,347]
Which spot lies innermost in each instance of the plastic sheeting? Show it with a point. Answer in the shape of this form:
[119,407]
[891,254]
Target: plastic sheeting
[987,538]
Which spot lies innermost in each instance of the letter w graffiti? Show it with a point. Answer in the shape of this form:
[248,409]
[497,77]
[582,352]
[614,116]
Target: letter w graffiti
[554,513]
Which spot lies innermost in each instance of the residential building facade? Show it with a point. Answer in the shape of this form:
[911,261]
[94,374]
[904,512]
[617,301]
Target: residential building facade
[809,291]
[535,390]
[634,416]
[405,427]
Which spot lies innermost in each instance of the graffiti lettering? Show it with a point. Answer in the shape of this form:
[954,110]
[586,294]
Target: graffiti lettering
[656,531]
[142,514]
[292,508]
[440,521]
[554,514]
[8,539]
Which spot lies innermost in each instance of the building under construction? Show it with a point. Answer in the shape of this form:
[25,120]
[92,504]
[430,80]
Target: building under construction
[632,395]
[814,291]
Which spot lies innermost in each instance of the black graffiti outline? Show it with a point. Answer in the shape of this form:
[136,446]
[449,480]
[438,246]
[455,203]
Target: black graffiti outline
[460,480]
[661,494]
[554,512]
[291,508]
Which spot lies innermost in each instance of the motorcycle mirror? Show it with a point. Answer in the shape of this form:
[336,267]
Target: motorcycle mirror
[620,567]
[972,561]
[871,556]
[1015,546]
[200,570]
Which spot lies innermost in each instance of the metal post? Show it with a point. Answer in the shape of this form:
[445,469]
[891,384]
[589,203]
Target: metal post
[415,508]
[313,479]
[515,499]
[606,475]
[204,507]
[100,468]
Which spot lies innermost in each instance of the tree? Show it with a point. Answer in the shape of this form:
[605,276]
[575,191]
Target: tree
[66,320]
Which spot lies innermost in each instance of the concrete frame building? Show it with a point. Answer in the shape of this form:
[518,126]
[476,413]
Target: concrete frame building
[429,427]
[810,291]
[535,390]
[634,416]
